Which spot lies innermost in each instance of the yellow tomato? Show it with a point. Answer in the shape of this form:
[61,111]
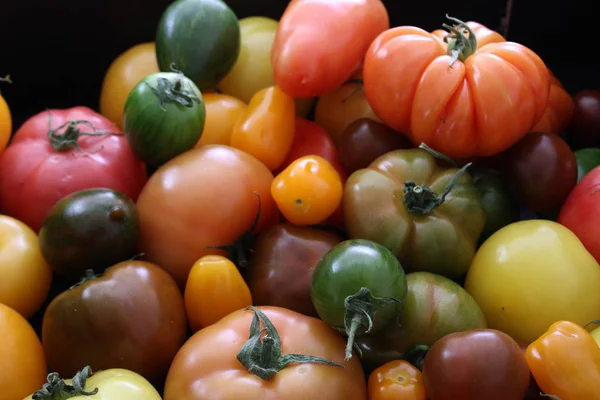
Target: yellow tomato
[214,289]
[126,71]
[596,335]
[529,275]
[25,277]
[5,124]
[22,361]
[222,112]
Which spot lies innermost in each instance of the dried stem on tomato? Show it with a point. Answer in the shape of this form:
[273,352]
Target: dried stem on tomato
[57,389]
[68,139]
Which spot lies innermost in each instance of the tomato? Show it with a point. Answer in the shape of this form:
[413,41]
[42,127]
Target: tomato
[358,287]
[461,99]
[584,130]
[23,362]
[541,170]
[122,75]
[5,119]
[430,216]
[204,197]
[587,160]
[336,110]
[214,289]
[131,317]
[396,380]
[596,335]
[559,111]
[58,152]
[308,191]
[364,140]
[581,212]
[530,274]
[302,358]
[109,384]
[477,364]
[266,129]
[222,112]
[303,65]
[26,276]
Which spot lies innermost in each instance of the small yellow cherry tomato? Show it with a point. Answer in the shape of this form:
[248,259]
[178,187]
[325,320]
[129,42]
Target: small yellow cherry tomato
[214,289]
[308,191]
[222,111]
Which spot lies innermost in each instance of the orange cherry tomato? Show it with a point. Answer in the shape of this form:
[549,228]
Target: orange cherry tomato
[22,362]
[396,380]
[214,289]
[308,191]
[266,129]
[122,75]
[222,112]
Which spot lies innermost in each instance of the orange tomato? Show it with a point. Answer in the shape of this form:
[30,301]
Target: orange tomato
[214,289]
[22,357]
[461,100]
[26,276]
[559,111]
[5,119]
[222,111]
[396,380]
[308,191]
[266,129]
[126,71]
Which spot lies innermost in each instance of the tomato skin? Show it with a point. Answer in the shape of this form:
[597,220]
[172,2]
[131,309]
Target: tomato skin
[541,170]
[584,130]
[23,361]
[559,111]
[5,124]
[214,289]
[204,197]
[354,24]
[222,112]
[266,129]
[479,107]
[122,75]
[474,365]
[587,160]
[26,276]
[206,368]
[32,173]
[308,191]
[396,380]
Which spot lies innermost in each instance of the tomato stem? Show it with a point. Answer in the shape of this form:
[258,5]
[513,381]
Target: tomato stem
[261,354]
[6,79]
[57,389]
[68,139]
[89,275]
[460,46]
[172,91]
[438,155]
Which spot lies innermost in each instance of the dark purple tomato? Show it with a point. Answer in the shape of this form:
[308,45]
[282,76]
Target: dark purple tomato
[584,130]
[541,170]
[364,140]
[475,365]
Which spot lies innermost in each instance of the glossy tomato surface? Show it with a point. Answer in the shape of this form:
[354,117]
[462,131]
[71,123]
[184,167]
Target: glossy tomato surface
[585,125]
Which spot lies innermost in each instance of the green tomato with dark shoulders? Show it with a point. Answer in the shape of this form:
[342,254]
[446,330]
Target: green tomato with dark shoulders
[587,160]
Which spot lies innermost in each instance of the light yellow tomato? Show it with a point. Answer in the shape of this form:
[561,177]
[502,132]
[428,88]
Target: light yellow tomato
[596,335]
[25,277]
[531,274]
[126,71]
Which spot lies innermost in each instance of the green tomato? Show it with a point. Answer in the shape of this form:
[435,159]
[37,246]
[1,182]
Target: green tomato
[358,287]
[587,160]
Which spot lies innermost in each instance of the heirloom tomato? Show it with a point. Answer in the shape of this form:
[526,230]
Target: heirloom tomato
[429,215]
[61,151]
[122,75]
[222,112]
[206,197]
[303,65]
[584,130]
[396,380]
[532,273]
[461,99]
[293,357]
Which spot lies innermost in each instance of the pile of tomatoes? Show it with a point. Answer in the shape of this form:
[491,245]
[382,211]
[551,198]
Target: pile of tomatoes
[250,216]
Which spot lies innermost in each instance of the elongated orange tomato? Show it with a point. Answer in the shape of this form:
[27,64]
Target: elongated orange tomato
[308,191]
[266,129]
[222,112]
[396,380]
[214,289]
[461,99]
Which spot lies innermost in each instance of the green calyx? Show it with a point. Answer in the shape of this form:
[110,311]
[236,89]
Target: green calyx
[461,40]
[173,91]
[68,140]
[6,79]
[261,354]
[57,389]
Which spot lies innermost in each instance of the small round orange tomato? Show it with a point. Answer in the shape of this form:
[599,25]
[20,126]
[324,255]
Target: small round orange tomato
[396,380]
[122,75]
[5,124]
[23,364]
[214,289]
[308,191]
[222,112]
[266,129]
[26,276]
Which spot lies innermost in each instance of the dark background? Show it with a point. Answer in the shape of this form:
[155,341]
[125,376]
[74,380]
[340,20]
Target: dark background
[58,51]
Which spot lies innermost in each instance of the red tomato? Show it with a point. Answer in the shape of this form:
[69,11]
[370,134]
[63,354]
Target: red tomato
[319,44]
[581,212]
[61,151]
